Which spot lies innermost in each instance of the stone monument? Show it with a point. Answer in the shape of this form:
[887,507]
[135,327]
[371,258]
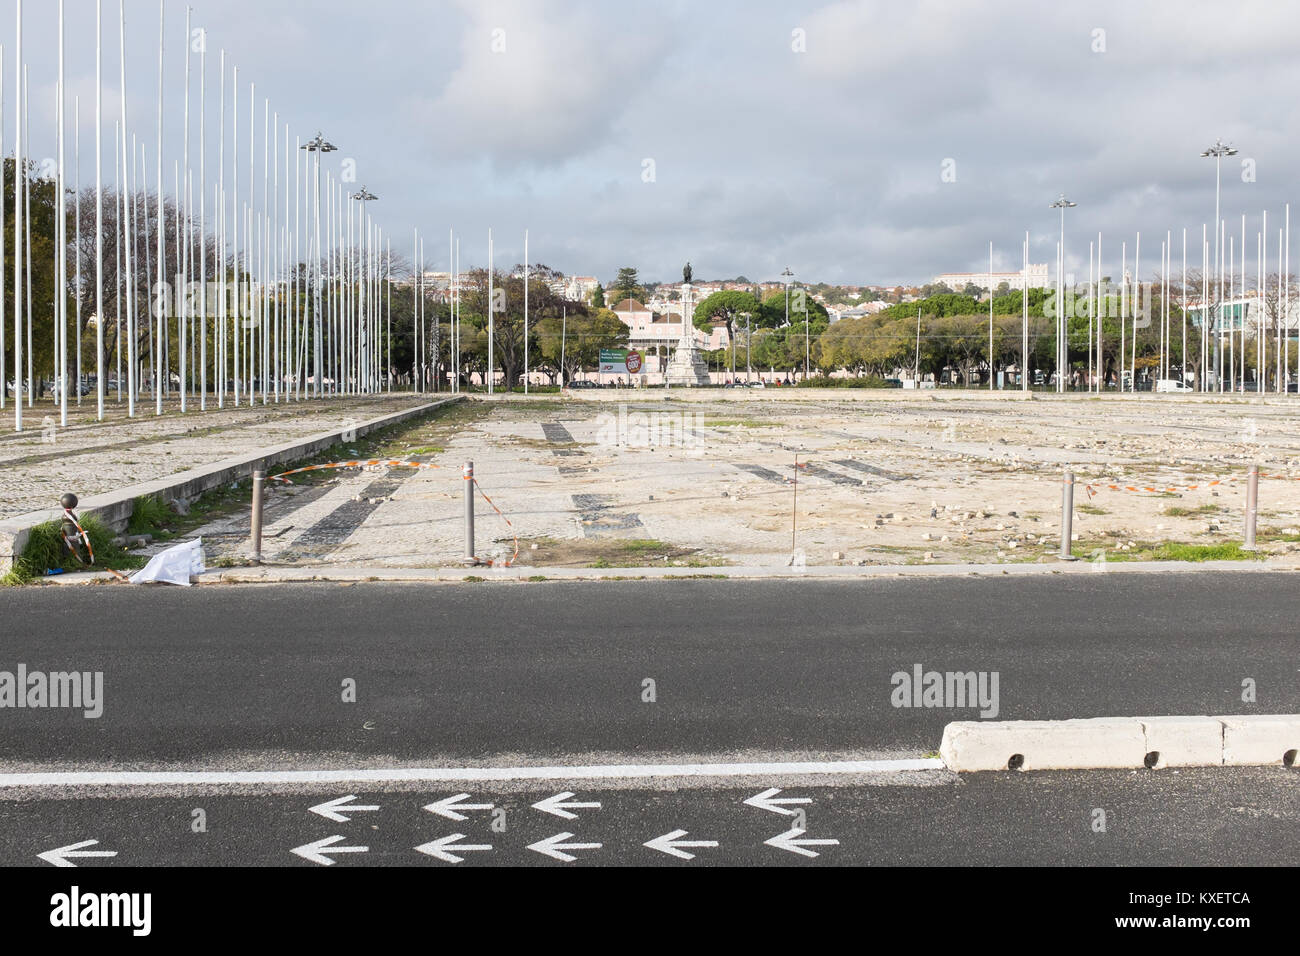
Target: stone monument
[687,366]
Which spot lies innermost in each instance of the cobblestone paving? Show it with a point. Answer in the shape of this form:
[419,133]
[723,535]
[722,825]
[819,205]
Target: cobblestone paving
[905,481]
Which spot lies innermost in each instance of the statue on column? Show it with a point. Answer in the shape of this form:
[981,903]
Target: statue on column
[686,274]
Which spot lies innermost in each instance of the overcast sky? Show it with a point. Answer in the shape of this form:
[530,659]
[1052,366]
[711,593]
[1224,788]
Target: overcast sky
[813,135]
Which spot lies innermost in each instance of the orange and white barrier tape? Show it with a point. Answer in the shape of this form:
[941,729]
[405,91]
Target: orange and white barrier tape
[81,533]
[392,463]
[1093,487]
[368,463]
[514,556]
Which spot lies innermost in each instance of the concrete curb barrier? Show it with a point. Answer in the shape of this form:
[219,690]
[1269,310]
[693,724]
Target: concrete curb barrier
[114,508]
[1249,741]
[268,574]
[1122,743]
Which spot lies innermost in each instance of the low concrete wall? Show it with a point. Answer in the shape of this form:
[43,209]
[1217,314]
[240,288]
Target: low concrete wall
[114,508]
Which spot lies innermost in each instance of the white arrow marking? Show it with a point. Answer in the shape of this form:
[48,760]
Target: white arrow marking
[670,842]
[60,857]
[766,801]
[555,847]
[330,810]
[787,841]
[440,848]
[556,805]
[315,852]
[444,807]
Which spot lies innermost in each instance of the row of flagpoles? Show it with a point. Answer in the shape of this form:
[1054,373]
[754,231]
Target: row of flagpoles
[231,317]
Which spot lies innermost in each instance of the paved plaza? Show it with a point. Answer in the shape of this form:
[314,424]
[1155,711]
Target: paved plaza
[705,479]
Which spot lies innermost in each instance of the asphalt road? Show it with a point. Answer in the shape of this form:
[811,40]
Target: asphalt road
[556,672]
[1193,818]
[550,673]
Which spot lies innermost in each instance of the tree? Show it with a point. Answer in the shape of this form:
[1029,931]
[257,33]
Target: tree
[627,286]
[570,344]
[772,311]
[726,306]
[598,297]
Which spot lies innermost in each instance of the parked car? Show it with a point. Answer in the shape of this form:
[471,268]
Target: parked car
[1172,385]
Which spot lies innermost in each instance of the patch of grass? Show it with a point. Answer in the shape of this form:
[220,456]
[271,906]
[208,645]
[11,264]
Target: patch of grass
[473,579]
[148,514]
[642,545]
[1177,512]
[1170,551]
[45,551]
[426,450]
[537,577]
[1227,551]
[740,422]
[1091,510]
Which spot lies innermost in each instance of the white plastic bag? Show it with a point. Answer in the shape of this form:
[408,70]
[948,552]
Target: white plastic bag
[176,565]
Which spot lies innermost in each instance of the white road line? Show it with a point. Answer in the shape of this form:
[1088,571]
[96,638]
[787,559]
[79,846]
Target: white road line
[161,778]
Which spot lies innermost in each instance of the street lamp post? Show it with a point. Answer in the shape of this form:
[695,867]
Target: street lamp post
[749,365]
[787,276]
[363,197]
[1061,324]
[317,146]
[1218,151]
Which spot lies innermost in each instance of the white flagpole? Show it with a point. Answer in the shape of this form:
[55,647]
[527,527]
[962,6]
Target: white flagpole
[235,229]
[99,213]
[20,175]
[458,308]
[61,247]
[76,165]
[264,251]
[3,389]
[1137,304]
[125,225]
[525,311]
[1101,312]
[161,362]
[219,210]
[1123,310]
[27,208]
[491,309]
[203,224]
[990,317]
[182,273]
[1024,327]
[451,311]
[1182,375]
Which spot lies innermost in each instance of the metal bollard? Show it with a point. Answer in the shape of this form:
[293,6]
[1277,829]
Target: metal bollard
[469,514]
[259,477]
[1067,515]
[1252,507]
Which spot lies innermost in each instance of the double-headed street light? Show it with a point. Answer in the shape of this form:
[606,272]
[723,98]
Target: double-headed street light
[364,196]
[1218,151]
[1061,326]
[787,276]
[317,146]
